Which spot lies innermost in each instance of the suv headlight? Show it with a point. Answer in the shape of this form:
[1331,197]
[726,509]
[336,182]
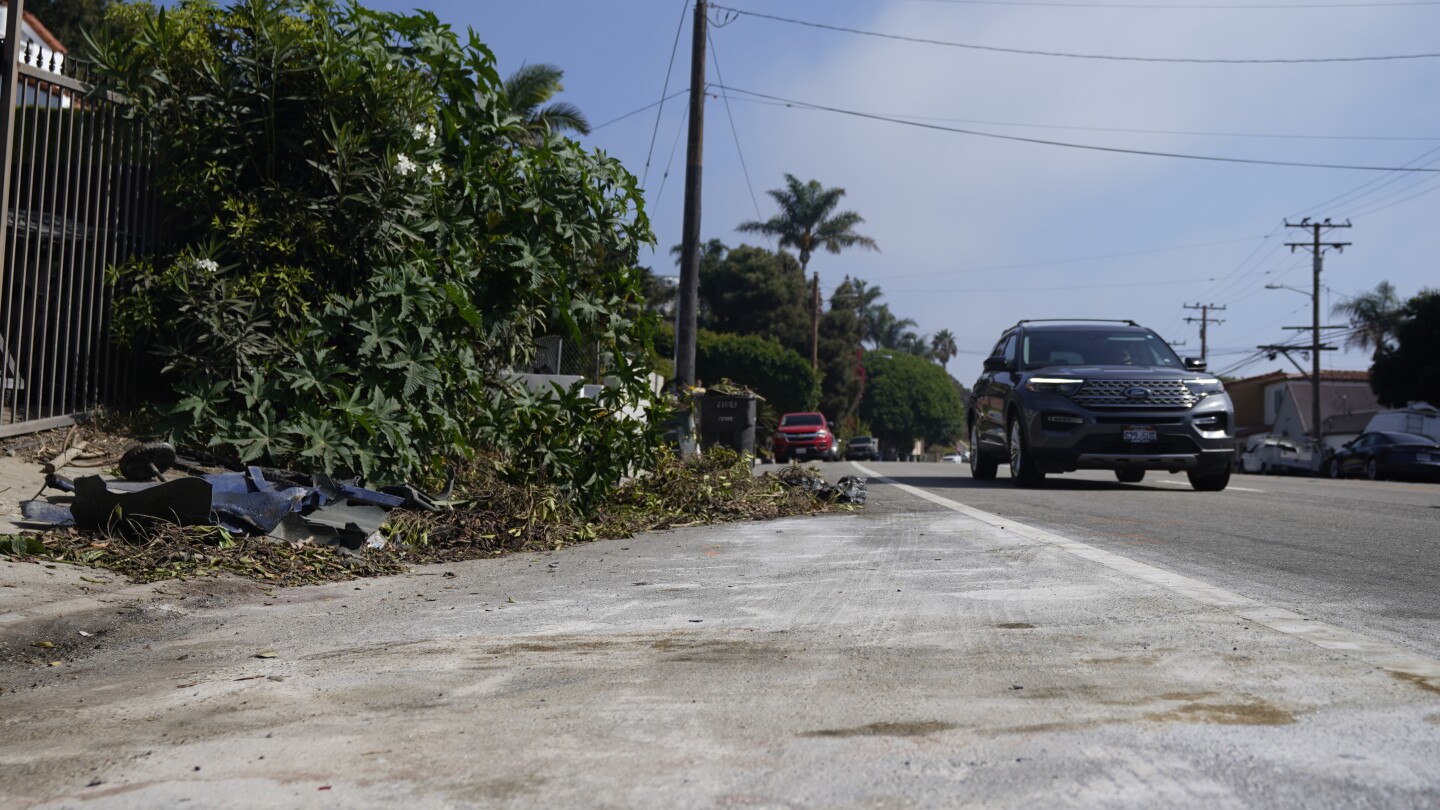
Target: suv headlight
[1204,388]
[1053,385]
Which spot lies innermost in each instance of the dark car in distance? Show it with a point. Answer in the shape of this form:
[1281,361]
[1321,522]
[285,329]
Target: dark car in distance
[1058,396]
[862,448]
[1388,454]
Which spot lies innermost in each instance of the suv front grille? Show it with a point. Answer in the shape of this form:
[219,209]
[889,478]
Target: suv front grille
[1111,394]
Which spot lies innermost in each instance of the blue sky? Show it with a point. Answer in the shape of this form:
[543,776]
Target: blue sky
[975,232]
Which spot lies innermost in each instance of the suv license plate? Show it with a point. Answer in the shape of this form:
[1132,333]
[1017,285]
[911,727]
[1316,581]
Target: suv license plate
[1423,458]
[1139,434]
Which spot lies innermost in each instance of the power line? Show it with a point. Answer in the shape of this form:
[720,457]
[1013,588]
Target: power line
[663,90]
[1065,55]
[675,147]
[1133,131]
[715,57]
[1187,6]
[1069,145]
[642,109]
[1048,288]
[1050,262]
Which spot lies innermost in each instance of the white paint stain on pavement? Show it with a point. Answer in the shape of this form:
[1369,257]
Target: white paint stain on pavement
[1387,657]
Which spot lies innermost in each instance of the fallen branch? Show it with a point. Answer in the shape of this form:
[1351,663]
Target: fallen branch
[69,455]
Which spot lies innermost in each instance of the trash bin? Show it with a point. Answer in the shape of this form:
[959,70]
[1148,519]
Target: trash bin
[728,420]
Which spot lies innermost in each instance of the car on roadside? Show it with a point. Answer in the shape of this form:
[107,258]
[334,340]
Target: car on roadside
[805,435]
[958,457]
[1273,456]
[862,448]
[1062,395]
[1387,454]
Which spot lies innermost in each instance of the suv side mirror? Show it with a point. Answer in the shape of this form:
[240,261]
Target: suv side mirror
[1194,364]
[997,363]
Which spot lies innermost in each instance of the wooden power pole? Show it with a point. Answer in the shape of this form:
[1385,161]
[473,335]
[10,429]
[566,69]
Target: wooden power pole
[689,303]
[1317,251]
[1205,320]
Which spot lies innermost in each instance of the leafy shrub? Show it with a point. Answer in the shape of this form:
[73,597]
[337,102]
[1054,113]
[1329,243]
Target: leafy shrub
[908,398]
[361,244]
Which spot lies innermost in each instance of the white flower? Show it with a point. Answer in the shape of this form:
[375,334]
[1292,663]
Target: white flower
[436,169]
[208,265]
[405,165]
[426,133]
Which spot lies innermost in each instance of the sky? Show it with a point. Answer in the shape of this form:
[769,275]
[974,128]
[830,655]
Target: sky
[977,232]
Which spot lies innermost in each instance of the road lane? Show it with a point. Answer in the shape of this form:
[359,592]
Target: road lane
[1362,555]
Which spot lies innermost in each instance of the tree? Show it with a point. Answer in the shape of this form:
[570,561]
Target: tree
[886,330]
[778,374]
[754,291]
[916,344]
[528,89]
[841,332]
[909,398]
[70,20]
[807,220]
[942,346]
[358,252]
[1374,316]
[1410,370]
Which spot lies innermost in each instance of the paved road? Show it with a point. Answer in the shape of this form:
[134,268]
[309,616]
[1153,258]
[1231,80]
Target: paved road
[916,653]
[1359,554]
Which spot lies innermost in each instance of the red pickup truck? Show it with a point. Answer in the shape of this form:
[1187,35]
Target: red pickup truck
[804,435]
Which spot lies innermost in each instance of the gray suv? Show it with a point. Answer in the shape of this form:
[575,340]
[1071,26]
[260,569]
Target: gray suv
[1059,396]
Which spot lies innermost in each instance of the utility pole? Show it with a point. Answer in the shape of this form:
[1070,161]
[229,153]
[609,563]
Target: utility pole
[815,322]
[689,303]
[1205,320]
[1317,252]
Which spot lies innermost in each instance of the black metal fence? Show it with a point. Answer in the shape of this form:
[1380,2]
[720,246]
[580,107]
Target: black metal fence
[75,199]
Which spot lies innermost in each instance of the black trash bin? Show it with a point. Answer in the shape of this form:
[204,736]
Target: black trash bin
[728,420]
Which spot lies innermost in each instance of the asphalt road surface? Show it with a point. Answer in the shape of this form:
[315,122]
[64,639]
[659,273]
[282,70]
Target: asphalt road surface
[950,645]
[1364,555]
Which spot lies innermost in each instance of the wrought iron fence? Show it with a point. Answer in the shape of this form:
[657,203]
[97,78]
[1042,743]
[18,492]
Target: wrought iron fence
[74,199]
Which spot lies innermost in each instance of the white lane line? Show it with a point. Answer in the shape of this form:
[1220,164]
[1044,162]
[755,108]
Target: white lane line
[1227,489]
[1388,657]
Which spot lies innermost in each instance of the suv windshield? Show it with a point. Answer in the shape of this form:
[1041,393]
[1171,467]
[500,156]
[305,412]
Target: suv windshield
[802,420]
[861,440]
[1093,347]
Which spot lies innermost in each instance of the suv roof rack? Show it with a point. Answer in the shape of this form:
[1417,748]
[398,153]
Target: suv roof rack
[1077,320]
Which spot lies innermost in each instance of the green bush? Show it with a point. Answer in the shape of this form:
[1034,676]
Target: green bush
[361,244]
[908,398]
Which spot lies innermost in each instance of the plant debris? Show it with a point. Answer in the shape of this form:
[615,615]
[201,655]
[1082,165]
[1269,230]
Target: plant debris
[488,517]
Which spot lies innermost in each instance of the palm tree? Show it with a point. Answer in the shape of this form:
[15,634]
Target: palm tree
[912,343]
[942,346]
[528,89]
[887,331]
[807,220]
[1374,316]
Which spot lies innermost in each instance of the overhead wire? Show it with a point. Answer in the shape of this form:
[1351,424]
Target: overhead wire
[619,118]
[1134,131]
[1070,145]
[1068,55]
[1192,6]
[675,147]
[675,47]
[745,170]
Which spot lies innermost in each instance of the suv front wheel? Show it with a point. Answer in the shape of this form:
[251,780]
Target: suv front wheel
[1022,467]
[1210,481]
